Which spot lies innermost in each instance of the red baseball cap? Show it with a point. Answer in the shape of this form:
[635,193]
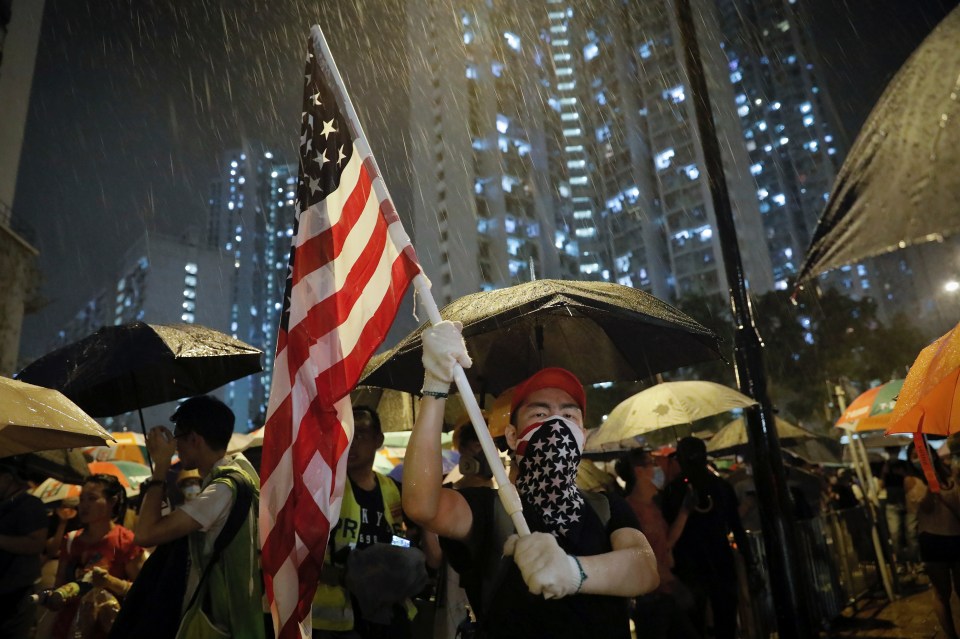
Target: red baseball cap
[550,378]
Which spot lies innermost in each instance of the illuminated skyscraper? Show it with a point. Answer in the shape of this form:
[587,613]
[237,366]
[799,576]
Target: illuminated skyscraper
[251,218]
[485,202]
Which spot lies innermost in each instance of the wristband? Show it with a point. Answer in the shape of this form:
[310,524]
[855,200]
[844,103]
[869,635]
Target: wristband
[150,484]
[583,575]
[436,394]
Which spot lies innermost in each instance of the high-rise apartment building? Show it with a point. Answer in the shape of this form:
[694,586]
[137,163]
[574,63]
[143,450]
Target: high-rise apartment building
[160,280]
[787,121]
[251,212]
[651,204]
[485,201]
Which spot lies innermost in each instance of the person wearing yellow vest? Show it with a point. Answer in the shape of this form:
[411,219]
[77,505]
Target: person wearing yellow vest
[369,514]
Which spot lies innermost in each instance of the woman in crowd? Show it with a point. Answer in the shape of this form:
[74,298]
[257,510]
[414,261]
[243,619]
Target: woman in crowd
[662,613]
[97,563]
[938,519]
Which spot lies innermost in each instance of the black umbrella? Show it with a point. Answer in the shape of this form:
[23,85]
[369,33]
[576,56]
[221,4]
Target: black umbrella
[598,330]
[132,366]
[899,185]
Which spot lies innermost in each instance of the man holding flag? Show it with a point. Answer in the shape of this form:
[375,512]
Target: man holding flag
[586,556]
[350,265]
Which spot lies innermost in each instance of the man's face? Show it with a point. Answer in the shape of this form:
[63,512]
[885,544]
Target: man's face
[541,404]
[366,441]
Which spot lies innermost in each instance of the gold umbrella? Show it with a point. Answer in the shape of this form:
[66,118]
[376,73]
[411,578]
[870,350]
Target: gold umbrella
[33,418]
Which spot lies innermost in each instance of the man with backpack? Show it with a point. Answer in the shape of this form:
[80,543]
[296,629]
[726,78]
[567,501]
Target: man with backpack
[574,575]
[223,582]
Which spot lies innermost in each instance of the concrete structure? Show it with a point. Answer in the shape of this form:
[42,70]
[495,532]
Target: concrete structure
[20,23]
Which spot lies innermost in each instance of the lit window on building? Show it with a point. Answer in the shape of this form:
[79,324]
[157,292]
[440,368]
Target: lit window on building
[784,140]
[674,94]
[736,76]
[579,181]
[590,269]
[662,160]
[471,72]
[467,37]
[762,193]
[503,123]
[590,51]
[188,318]
[775,106]
[587,232]
[513,40]
[566,86]
[743,111]
[741,99]
[756,169]
[569,116]
[692,171]
[808,120]
[496,67]
[572,133]
[645,50]
[779,199]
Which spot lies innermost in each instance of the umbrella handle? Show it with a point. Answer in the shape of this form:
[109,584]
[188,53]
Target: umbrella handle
[506,490]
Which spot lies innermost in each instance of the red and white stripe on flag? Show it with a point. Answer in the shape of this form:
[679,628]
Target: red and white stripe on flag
[350,266]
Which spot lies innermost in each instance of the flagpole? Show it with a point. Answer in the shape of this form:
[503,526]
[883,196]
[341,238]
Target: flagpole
[506,490]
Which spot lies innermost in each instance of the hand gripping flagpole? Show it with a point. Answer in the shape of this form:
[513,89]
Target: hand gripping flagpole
[507,491]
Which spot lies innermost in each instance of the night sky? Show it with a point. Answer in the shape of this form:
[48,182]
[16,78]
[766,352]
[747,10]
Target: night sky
[134,100]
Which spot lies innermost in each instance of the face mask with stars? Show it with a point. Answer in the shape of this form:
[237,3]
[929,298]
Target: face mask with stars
[548,456]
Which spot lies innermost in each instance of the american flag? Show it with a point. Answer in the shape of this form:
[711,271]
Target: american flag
[350,265]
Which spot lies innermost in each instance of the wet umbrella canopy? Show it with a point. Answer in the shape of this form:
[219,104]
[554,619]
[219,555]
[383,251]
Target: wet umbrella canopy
[34,418]
[598,330]
[899,185]
[122,368]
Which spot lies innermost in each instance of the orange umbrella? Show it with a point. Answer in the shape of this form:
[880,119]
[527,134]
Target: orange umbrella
[872,409]
[129,446]
[928,400]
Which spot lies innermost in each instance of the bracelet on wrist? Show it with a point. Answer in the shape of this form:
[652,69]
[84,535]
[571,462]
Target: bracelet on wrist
[583,575]
[436,394]
[153,482]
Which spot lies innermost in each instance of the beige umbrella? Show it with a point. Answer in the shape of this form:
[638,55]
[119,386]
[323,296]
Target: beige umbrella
[33,418]
[733,437]
[660,406]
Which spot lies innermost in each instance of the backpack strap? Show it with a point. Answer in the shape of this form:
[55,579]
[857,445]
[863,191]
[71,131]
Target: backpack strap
[235,520]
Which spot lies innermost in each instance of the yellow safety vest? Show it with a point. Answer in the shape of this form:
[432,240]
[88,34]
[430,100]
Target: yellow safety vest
[332,609]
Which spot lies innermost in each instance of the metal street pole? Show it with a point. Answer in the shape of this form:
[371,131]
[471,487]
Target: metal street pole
[784,564]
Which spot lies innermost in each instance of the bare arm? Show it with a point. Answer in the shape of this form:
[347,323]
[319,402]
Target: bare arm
[629,570]
[437,509]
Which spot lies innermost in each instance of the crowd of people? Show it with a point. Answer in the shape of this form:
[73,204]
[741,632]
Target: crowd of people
[662,553]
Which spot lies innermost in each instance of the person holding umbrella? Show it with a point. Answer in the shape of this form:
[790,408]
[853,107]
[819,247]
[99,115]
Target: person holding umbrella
[573,576]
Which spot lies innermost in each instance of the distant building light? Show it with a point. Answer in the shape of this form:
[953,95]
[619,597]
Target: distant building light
[591,51]
[805,107]
[513,40]
[775,106]
[743,111]
[662,159]
[756,169]
[952,286]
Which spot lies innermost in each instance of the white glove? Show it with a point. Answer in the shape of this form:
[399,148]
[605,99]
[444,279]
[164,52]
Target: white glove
[443,347]
[546,569]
